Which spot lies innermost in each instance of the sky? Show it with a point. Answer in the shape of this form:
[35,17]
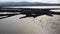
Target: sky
[45,1]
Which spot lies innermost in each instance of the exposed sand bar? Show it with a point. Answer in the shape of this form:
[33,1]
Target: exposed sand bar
[40,25]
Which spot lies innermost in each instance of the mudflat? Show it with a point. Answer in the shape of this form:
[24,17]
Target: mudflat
[40,25]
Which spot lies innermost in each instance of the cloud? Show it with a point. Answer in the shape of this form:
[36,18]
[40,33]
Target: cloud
[46,1]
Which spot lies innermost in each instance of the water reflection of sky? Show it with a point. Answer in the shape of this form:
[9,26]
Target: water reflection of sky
[45,1]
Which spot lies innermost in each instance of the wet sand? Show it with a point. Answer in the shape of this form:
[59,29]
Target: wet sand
[40,25]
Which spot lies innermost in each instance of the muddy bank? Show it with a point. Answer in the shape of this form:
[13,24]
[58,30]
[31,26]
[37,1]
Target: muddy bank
[40,25]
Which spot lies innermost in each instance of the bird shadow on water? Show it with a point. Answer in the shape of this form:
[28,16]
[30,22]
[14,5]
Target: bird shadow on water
[33,13]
